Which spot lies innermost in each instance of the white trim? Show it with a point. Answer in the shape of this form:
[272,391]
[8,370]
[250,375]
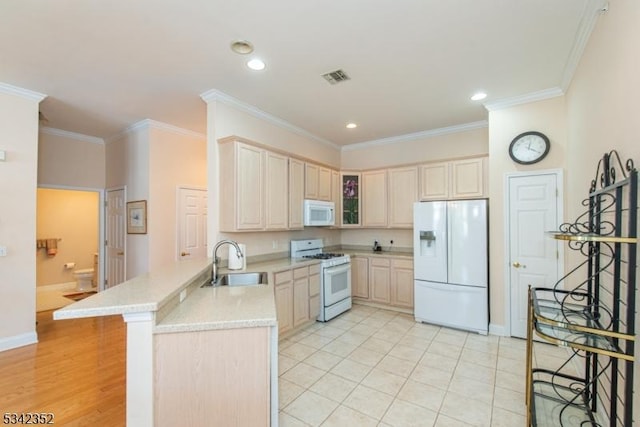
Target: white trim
[144,316]
[540,95]
[507,241]
[418,135]
[214,95]
[498,330]
[71,135]
[592,9]
[18,341]
[24,93]
[150,123]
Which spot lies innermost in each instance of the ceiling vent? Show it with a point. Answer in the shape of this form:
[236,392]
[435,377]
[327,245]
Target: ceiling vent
[336,77]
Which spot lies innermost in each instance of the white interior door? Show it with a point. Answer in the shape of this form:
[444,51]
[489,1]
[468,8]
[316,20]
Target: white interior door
[534,259]
[192,223]
[115,238]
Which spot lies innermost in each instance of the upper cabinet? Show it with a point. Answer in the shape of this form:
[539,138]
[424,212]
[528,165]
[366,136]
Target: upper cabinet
[457,179]
[351,200]
[317,182]
[403,192]
[255,184]
[296,193]
[374,198]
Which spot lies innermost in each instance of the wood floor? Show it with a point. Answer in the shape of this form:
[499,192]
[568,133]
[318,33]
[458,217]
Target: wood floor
[76,371]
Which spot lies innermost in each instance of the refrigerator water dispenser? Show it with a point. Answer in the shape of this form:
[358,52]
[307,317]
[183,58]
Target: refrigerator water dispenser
[427,243]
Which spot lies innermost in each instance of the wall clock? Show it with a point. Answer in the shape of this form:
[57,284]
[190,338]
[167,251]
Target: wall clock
[529,148]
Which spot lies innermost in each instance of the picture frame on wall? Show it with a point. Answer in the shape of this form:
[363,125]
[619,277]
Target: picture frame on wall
[137,217]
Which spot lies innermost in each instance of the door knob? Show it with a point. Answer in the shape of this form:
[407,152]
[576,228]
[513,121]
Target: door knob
[120,253]
[184,253]
[516,264]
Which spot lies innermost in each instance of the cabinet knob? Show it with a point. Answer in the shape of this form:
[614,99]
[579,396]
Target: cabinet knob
[184,253]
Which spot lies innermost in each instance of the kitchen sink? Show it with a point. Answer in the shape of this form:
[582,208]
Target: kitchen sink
[240,279]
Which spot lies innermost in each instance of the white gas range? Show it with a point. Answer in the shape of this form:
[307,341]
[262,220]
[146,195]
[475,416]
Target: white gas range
[335,276]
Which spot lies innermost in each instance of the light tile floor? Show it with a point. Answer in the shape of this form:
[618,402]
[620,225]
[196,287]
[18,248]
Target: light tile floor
[373,367]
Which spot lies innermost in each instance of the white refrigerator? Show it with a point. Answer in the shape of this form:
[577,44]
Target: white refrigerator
[451,264]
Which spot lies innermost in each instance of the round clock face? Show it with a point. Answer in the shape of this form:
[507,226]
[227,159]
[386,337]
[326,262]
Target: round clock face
[529,147]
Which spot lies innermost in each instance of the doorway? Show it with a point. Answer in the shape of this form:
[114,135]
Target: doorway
[533,207]
[68,233]
[115,241]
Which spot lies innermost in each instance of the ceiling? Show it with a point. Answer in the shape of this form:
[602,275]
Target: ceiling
[414,64]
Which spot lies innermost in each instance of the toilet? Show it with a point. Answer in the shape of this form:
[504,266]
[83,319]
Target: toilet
[84,279]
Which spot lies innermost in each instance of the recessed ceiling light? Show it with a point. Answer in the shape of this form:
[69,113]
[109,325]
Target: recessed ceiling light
[256,64]
[242,47]
[351,125]
[478,96]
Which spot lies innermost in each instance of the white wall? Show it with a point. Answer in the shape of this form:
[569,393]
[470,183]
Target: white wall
[18,183]
[69,159]
[548,117]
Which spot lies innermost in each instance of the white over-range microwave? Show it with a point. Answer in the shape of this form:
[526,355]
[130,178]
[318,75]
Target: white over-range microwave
[319,213]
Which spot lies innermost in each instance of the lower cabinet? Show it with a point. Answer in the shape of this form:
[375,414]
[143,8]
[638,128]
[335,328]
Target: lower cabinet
[297,295]
[383,280]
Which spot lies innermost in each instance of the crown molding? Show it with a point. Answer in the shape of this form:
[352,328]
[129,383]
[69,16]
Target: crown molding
[418,135]
[24,93]
[71,135]
[149,124]
[540,95]
[214,95]
[592,10]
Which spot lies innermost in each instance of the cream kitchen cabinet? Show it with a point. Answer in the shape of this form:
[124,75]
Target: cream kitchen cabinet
[360,277]
[296,193]
[380,280]
[374,198]
[317,182]
[283,288]
[255,183]
[276,191]
[297,295]
[383,280]
[403,192]
[300,296]
[242,169]
[457,179]
[314,291]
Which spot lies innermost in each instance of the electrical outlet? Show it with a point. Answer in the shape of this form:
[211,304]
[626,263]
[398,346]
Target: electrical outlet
[274,244]
[183,294]
[3,251]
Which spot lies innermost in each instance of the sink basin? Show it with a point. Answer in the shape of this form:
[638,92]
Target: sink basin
[241,279]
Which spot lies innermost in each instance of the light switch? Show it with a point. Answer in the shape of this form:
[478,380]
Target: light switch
[3,251]
[3,155]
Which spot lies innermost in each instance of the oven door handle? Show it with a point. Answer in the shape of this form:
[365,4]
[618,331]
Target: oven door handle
[336,269]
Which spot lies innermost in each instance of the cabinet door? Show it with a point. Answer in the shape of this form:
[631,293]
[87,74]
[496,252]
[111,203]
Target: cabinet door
[403,192]
[467,178]
[402,283]
[311,181]
[380,280]
[284,306]
[296,193]
[434,181]
[324,184]
[283,288]
[276,191]
[300,300]
[374,198]
[351,200]
[336,194]
[249,187]
[360,277]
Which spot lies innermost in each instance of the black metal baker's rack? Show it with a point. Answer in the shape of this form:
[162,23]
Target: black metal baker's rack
[591,310]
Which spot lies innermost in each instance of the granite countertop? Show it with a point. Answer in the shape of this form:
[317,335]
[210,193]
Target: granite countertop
[387,254]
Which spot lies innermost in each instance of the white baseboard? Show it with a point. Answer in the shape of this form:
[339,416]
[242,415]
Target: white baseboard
[18,341]
[498,330]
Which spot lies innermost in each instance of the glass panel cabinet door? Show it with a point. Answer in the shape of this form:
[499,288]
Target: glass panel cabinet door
[350,199]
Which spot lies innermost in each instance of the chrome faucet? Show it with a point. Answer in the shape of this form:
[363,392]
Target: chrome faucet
[216,260]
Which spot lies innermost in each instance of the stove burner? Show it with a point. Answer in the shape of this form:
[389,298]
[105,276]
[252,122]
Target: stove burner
[323,256]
